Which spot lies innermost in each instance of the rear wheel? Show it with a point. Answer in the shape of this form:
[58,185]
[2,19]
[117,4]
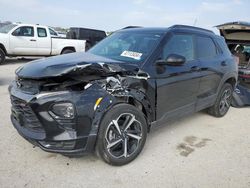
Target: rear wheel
[88,46]
[2,56]
[67,51]
[122,135]
[223,101]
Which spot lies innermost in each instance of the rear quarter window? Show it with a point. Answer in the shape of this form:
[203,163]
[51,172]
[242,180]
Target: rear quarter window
[41,32]
[206,48]
[223,45]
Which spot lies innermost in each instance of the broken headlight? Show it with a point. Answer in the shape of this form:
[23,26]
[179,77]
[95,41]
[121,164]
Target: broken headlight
[63,110]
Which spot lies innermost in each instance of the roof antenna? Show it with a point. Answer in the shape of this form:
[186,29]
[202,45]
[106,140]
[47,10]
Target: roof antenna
[195,22]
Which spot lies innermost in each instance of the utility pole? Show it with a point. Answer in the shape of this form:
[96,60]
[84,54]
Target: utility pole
[195,22]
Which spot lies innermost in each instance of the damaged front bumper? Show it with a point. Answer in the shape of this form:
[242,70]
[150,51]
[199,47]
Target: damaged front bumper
[34,120]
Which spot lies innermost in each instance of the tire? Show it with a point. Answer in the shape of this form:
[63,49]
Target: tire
[2,56]
[88,46]
[122,135]
[67,51]
[223,101]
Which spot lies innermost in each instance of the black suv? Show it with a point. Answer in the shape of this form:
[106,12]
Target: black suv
[107,99]
[92,36]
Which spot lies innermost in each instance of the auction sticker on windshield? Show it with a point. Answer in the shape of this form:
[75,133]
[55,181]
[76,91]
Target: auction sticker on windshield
[130,54]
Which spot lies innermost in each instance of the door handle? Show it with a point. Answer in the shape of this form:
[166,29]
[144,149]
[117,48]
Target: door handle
[32,40]
[223,63]
[195,68]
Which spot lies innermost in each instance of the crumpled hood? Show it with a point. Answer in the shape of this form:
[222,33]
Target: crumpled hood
[84,64]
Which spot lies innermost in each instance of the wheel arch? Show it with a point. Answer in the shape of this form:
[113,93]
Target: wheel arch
[68,48]
[3,48]
[230,78]
[231,81]
[110,101]
[144,108]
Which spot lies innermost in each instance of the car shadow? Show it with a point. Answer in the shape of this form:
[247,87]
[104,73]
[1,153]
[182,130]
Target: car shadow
[5,81]
[18,60]
[174,124]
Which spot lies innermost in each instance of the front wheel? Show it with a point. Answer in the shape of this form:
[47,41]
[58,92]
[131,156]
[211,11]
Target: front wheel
[223,101]
[122,135]
[2,56]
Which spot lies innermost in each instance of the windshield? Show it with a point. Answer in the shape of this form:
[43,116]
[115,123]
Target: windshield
[7,28]
[127,46]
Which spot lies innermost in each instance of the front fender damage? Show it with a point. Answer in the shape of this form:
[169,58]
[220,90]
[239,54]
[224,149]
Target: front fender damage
[122,89]
[121,82]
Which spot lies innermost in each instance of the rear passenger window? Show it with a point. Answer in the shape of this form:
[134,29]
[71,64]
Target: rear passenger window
[224,47]
[41,32]
[180,45]
[206,48]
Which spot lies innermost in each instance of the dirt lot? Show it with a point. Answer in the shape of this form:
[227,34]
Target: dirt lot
[196,151]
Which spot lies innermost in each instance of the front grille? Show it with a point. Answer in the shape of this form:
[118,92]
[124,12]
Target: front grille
[63,145]
[22,113]
[29,86]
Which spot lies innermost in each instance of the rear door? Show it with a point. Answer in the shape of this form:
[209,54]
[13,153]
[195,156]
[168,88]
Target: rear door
[212,64]
[43,41]
[177,86]
[23,41]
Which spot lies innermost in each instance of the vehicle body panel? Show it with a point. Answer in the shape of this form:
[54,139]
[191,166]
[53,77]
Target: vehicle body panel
[161,92]
[238,33]
[23,45]
[38,46]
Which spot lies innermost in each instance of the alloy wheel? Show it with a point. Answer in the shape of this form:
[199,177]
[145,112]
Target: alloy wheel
[123,136]
[225,101]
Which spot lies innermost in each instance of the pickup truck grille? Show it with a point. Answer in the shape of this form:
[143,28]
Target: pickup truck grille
[22,113]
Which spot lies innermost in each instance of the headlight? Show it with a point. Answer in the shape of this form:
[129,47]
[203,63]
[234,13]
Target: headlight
[64,110]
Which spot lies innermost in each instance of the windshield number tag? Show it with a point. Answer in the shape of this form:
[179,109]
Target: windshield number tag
[130,54]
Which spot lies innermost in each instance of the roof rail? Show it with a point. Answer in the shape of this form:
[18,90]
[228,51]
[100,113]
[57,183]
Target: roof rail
[131,27]
[190,27]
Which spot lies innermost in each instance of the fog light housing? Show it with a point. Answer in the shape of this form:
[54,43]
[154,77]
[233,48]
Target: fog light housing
[63,110]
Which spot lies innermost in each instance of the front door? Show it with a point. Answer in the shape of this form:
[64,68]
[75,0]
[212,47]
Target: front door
[177,86]
[23,41]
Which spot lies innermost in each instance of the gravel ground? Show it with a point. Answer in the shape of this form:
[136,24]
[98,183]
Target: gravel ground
[195,151]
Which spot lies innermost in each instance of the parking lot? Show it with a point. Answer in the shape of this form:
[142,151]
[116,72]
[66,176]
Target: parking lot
[195,151]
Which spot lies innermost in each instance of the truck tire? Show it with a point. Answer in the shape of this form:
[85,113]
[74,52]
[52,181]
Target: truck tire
[2,56]
[67,51]
[88,46]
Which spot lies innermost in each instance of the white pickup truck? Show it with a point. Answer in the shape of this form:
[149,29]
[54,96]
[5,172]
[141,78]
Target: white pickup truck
[34,40]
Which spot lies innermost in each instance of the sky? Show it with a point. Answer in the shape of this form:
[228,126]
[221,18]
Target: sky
[110,15]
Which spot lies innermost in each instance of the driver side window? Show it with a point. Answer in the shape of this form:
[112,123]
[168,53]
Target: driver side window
[179,44]
[24,31]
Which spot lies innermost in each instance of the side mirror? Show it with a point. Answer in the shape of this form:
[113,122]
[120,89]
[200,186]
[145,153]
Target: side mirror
[172,60]
[16,33]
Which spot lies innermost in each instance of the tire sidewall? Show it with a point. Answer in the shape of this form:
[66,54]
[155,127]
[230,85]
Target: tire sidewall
[113,113]
[67,51]
[225,87]
[2,58]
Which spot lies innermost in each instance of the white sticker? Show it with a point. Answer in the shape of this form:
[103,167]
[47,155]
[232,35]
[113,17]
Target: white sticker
[130,54]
